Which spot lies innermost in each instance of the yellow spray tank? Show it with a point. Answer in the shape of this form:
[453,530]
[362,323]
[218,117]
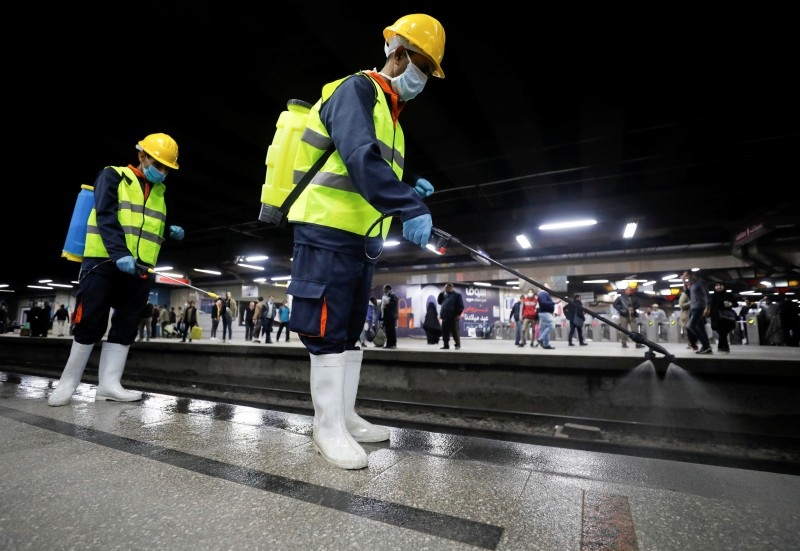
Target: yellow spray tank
[279,191]
[280,160]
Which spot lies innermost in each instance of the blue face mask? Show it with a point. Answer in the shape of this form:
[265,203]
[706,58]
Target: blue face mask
[410,83]
[154,175]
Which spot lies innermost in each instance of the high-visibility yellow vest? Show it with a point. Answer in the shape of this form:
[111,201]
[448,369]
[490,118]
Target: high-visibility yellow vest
[142,222]
[331,199]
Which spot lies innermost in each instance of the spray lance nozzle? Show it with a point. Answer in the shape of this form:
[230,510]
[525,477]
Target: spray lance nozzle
[141,269]
[438,241]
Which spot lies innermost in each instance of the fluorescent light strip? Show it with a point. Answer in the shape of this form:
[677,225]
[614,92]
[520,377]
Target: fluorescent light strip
[212,272]
[630,230]
[250,266]
[523,242]
[570,224]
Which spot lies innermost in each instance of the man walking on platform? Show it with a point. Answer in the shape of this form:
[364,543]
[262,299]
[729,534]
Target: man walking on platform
[452,306]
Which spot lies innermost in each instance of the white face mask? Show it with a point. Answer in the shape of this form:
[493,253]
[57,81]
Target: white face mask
[410,83]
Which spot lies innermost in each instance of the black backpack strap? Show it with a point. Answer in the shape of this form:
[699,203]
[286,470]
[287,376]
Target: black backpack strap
[301,185]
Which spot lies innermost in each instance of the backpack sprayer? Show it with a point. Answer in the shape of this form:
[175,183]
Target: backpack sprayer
[440,239]
[141,269]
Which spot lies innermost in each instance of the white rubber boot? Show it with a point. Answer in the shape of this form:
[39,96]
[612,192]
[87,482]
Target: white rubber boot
[71,376]
[360,429]
[112,364]
[331,438]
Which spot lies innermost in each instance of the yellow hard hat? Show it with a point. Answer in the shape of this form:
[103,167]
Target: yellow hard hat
[423,32]
[162,148]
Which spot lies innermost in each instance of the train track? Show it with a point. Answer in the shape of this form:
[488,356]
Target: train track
[756,449]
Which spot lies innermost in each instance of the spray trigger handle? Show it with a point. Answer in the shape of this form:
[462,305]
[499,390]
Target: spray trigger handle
[439,240]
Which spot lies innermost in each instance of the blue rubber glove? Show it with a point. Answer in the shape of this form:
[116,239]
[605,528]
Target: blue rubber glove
[424,188]
[176,232]
[418,229]
[127,264]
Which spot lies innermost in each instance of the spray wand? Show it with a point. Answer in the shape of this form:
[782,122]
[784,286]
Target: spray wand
[142,270]
[440,239]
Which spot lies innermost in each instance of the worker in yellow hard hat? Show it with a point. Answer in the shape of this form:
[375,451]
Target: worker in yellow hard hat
[343,216]
[123,238]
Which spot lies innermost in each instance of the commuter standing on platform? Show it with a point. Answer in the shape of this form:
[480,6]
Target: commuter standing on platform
[216,316]
[627,306]
[190,319]
[576,317]
[516,317]
[451,307]
[163,319]
[249,323]
[530,318]
[723,317]
[257,313]
[390,313]
[658,318]
[370,324]
[125,230]
[547,308]
[339,224]
[284,314]
[61,317]
[699,310]
[230,312]
[685,304]
[267,319]
[431,324]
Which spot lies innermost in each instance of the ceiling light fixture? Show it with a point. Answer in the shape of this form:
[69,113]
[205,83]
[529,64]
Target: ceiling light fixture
[204,271]
[391,243]
[481,284]
[596,281]
[257,258]
[252,267]
[39,287]
[670,276]
[630,229]
[569,224]
[524,242]
[282,278]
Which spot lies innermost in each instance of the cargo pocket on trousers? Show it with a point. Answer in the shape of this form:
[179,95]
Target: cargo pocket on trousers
[309,309]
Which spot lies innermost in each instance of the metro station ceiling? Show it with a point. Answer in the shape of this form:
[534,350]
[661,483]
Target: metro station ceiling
[689,127]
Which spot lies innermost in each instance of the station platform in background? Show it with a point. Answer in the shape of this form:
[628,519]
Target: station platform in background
[180,473]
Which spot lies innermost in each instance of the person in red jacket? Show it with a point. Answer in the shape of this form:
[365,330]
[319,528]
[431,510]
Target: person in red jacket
[530,318]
